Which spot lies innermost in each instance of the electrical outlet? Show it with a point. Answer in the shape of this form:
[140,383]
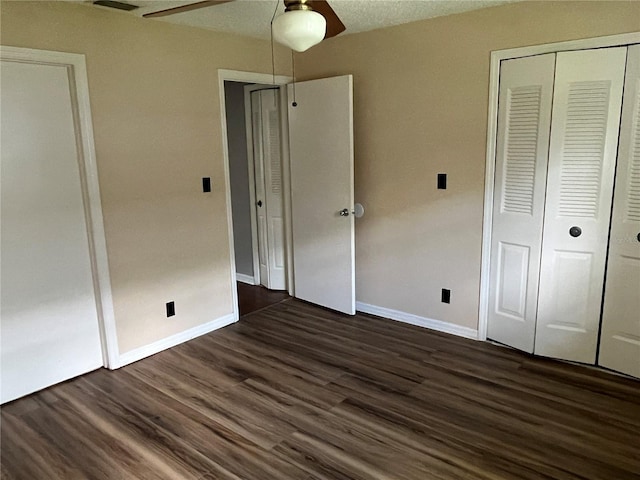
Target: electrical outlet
[446,295]
[442,181]
[171,309]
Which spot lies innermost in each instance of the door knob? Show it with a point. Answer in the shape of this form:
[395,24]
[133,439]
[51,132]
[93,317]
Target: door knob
[344,212]
[575,232]
[259,203]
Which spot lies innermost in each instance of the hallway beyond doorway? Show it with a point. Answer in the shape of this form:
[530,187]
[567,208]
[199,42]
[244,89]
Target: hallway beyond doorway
[256,297]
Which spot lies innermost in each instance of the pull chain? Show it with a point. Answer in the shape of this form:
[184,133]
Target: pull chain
[293,72]
[273,56]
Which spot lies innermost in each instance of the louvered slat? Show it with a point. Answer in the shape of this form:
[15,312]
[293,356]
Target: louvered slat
[583,148]
[633,200]
[521,149]
[274,146]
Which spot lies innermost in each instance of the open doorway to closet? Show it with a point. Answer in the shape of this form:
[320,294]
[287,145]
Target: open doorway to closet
[257,201]
[315,184]
[560,270]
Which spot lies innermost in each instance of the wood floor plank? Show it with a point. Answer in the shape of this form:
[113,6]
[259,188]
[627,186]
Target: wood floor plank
[175,365]
[376,356]
[272,360]
[334,356]
[252,298]
[220,446]
[605,402]
[220,409]
[511,399]
[297,392]
[344,326]
[20,442]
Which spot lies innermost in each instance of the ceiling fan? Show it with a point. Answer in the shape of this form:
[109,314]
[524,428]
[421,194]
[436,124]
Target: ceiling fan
[304,23]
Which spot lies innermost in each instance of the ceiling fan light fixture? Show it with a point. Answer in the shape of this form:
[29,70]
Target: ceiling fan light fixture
[299,29]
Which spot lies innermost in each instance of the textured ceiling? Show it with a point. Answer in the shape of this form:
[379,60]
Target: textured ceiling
[253,17]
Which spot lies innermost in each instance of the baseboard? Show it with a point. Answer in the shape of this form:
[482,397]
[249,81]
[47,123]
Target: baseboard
[241,277]
[412,319]
[173,340]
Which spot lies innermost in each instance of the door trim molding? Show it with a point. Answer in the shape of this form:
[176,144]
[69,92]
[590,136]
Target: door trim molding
[246,77]
[77,70]
[497,57]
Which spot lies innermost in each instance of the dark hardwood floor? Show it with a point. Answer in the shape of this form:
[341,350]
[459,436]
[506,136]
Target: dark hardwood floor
[256,297]
[296,392]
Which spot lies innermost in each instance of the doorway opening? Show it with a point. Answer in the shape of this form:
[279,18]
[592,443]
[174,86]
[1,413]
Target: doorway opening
[315,184]
[254,137]
[256,177]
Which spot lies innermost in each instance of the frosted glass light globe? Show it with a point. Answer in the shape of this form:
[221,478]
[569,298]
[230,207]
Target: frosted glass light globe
[299,29]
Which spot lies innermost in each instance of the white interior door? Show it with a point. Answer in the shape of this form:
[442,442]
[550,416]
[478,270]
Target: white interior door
[260,191]
[272,168]
[49,321]
[321,152]
[582,154]
[522,147]
[620,337]
[266,174]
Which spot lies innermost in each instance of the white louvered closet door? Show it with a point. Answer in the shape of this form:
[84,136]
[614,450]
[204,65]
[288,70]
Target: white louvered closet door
[620,337]
[526,92]
[267,164]
[582,154]
[272,165]
[259,176]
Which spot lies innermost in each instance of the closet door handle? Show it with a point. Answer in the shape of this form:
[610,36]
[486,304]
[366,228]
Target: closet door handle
[638,237]
[575,232]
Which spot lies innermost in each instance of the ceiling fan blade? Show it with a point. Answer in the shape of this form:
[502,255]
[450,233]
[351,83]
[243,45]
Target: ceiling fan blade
[184,8]
[334,24]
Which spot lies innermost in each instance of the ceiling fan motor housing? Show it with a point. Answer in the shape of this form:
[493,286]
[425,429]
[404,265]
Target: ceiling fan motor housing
[291,5]
[300,27]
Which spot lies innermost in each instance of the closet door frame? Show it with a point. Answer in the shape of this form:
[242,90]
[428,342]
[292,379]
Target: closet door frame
[492,128]
[77,70]
[252,161]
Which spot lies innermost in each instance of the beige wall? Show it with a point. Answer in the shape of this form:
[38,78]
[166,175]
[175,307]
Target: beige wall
[156,118]
[420,109]
[421,95]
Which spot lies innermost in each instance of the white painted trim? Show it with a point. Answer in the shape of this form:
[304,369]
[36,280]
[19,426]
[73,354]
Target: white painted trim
[412,319]
[492,126]
[248,77]
[248,279]
[156,347]
[580,44]
[79,84]
[251,77]
[286,180]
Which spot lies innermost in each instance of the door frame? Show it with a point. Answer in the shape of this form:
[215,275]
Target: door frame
[497,57]
[76,67]
[264,79]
